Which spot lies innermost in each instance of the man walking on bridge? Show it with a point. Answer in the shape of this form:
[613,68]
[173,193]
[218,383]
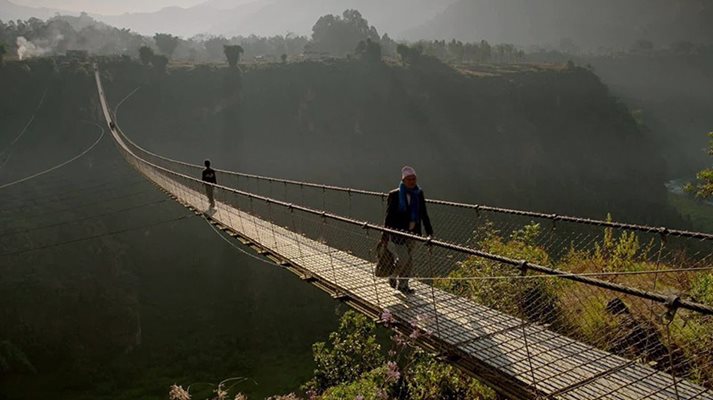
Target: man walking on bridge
[405,211]
[209,176]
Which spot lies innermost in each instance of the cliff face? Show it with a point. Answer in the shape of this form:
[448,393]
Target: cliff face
[673,93]
[543,138]
[604,23]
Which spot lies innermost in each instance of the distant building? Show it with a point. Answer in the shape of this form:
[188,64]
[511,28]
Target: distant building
[265,58]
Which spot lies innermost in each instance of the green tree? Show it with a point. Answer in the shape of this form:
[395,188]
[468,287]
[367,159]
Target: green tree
[232,53]
[430,379]
[403,51]
[704,187]
[351,352]
[371,385]
[369,51]
[456,51]
[340,35]
[283,57]
[388,45]
[159,62]
[353,367]
[166,43]
[409,55]
[214,47]
[3,51]
[486,51]
[146,54]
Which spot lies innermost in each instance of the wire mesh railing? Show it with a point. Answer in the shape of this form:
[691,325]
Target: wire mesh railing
[577,245]
[595,310]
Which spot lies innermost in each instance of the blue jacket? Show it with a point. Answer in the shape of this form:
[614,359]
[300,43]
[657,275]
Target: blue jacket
[399,220]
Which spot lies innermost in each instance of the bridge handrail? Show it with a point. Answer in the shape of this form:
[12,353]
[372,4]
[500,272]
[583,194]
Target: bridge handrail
[521,265]
[477,207]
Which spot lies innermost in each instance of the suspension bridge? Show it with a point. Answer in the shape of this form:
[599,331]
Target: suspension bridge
[535,305]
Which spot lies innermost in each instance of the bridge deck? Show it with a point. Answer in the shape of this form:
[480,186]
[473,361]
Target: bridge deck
[563,368]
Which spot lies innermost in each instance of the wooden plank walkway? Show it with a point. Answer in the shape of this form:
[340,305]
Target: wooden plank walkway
[562,368]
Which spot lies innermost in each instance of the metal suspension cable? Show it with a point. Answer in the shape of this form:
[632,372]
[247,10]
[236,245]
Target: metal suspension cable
[60,165]
[102,201]
[236,247]
[474,207]
[66,182]
[118,105]
[583,274]
[10,147]
[82,219]
[69,194]
[92,237]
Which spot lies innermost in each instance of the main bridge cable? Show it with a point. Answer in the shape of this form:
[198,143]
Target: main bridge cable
[476,207]
[58,166]
[518,264]
[528,277]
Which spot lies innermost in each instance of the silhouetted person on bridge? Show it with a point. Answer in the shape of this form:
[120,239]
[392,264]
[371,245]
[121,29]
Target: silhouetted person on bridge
[405,211]
[209,176]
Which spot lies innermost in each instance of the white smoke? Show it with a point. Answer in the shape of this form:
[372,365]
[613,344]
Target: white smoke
[27,49]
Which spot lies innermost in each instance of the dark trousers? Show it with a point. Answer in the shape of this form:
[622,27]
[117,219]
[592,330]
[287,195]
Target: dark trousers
[209,191]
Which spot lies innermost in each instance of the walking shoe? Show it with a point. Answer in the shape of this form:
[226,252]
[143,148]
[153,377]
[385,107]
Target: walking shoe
[404,288]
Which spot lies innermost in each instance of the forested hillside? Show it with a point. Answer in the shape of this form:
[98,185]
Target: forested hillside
[550,139]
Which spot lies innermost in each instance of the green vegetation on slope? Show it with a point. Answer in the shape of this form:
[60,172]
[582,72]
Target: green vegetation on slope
[353,365]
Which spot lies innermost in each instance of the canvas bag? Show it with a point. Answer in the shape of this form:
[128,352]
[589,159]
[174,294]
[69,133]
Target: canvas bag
[385,261]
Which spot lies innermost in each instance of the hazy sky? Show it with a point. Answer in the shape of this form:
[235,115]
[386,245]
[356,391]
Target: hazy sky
[107,6]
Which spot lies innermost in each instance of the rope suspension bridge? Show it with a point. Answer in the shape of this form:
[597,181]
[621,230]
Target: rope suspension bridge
[535,305]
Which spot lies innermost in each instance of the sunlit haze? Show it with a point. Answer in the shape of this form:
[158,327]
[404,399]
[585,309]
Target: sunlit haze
[356,199]
[108,7]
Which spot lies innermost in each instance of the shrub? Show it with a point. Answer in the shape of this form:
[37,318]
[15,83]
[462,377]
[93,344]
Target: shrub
[352,351]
